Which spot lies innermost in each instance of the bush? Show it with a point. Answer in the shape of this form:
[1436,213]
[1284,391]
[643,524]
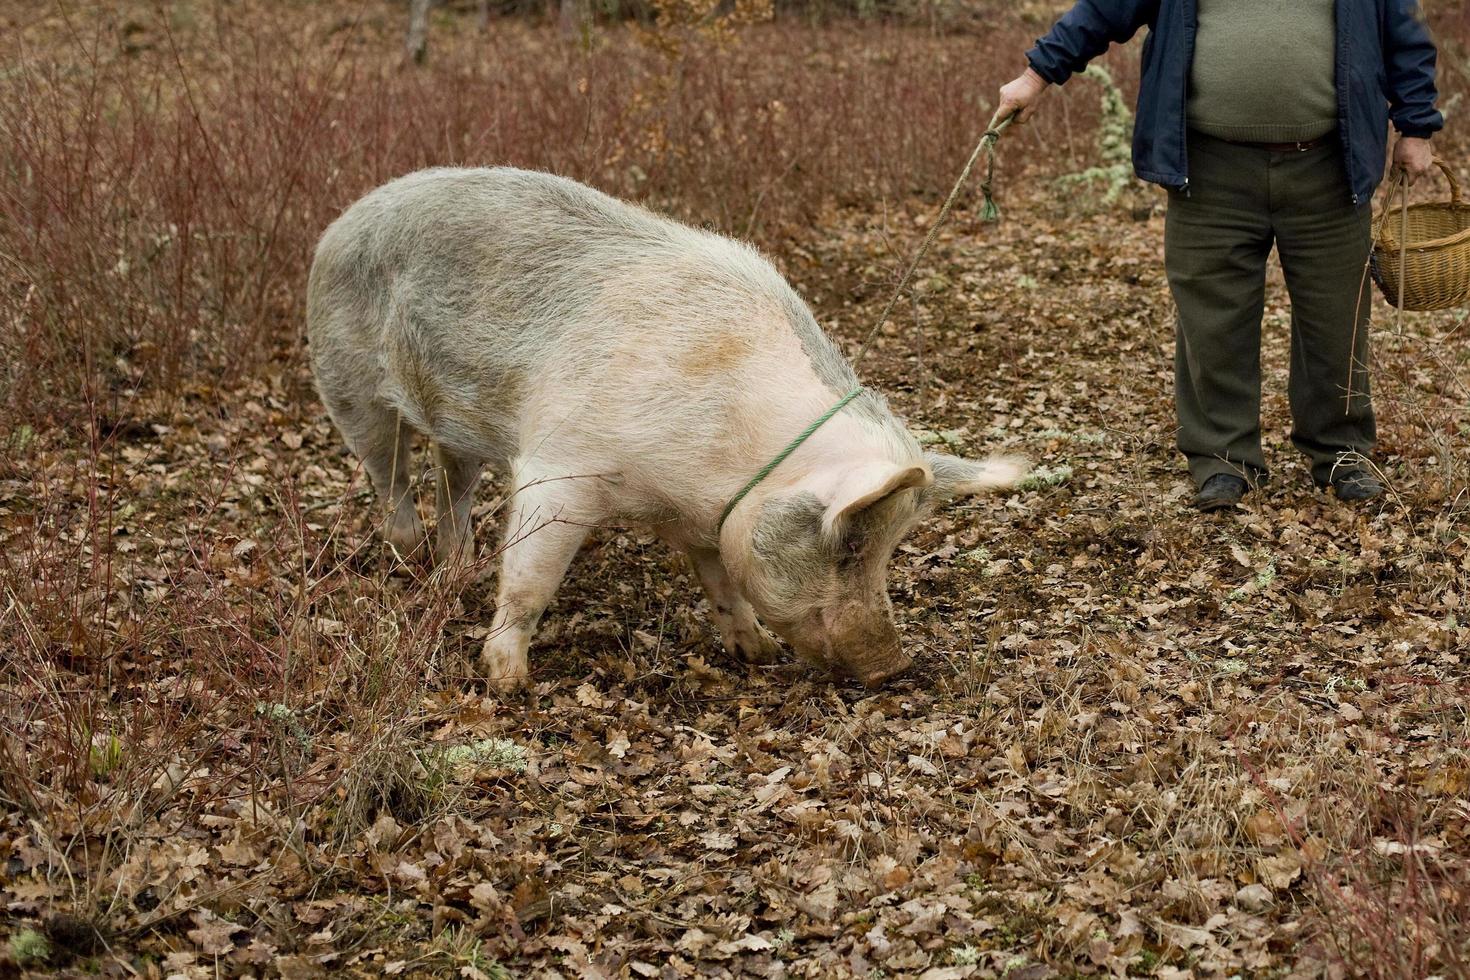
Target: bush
[162,184]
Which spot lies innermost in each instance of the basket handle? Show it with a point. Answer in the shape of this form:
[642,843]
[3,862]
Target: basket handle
[1449,175]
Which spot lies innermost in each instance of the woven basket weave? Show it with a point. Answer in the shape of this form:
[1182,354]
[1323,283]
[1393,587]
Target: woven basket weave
[1421,254]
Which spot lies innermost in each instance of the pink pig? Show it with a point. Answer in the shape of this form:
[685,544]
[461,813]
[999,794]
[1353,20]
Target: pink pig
[617,366]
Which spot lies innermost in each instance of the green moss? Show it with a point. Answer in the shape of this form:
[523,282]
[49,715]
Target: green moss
[30,948]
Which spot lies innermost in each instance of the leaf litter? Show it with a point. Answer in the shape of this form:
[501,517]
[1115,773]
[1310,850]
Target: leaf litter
[1138,742]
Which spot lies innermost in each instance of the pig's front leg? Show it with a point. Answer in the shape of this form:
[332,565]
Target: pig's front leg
[740,631]
[543,531]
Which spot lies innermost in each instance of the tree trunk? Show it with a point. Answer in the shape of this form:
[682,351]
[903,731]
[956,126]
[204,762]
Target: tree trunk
[482,16]
[418,30]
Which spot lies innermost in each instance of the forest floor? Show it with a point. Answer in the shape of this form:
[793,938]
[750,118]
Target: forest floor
[1137,741]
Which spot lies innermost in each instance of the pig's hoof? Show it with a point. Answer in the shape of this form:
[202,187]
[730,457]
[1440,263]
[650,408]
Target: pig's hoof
[404,542]
[505,683]
[757,647]
[502,672]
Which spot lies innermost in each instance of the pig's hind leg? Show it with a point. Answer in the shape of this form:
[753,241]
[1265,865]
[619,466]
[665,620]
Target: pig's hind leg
[547,521]
[740,631]
[379,438]
[454,535]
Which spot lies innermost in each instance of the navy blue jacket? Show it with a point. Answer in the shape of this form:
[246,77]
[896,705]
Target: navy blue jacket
[1385,71]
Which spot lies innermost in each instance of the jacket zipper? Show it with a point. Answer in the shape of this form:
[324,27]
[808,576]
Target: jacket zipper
[1191,24]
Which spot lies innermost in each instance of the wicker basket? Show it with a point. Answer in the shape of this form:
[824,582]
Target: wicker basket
[1426,248]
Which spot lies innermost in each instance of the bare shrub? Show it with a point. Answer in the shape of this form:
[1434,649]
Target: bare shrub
[158,208]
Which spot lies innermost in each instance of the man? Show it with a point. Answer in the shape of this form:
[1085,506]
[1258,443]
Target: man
[1267,121]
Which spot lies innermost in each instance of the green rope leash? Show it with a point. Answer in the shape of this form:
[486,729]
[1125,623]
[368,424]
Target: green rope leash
[988,212]
[791,447]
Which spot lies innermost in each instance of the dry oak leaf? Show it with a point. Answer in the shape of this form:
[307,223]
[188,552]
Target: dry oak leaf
[213,935]
[484,896]
[695,942]
[1181,936]
[1281,869]
[820,903]
[891,873]
[748,943]
[1254,898]
[1264,827]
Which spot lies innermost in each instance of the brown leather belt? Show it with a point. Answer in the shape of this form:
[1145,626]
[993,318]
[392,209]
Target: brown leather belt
[1301,147]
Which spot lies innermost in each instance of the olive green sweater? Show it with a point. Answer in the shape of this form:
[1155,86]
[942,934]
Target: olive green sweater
[1264,70]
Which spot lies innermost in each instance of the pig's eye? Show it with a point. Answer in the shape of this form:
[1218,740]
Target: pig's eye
[852,552]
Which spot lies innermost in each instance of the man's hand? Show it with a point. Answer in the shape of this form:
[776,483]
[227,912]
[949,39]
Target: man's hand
[1020,95]
[1413,156]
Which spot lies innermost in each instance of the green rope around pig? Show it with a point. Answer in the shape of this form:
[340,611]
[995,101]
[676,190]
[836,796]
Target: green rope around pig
[988,212]
[791,447]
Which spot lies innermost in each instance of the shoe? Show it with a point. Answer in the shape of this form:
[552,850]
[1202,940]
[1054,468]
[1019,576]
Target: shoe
[1353,485]
[1220,491]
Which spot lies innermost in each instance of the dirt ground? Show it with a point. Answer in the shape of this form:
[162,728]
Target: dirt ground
[1137,741]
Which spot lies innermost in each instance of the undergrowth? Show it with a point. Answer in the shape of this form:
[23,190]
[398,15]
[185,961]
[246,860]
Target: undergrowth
[221,700]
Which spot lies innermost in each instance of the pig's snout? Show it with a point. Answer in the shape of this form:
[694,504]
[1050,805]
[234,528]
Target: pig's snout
[863,642]
[858,660]
[898,662]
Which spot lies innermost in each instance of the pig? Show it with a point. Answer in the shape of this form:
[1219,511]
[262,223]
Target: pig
[617,366]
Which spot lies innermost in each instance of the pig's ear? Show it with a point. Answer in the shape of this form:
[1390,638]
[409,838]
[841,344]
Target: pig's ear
[955,477]
[863,485]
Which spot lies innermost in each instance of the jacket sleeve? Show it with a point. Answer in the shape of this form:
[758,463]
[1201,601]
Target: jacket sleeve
[1085,31]
[1409,58]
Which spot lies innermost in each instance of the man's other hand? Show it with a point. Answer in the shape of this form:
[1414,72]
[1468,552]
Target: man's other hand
[1020,95]
[1412,155]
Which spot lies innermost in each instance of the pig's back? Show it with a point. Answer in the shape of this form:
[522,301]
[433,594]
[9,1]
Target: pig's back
[481,290]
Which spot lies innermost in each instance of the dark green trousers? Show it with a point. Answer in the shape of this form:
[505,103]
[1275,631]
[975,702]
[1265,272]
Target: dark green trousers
[1241,201]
